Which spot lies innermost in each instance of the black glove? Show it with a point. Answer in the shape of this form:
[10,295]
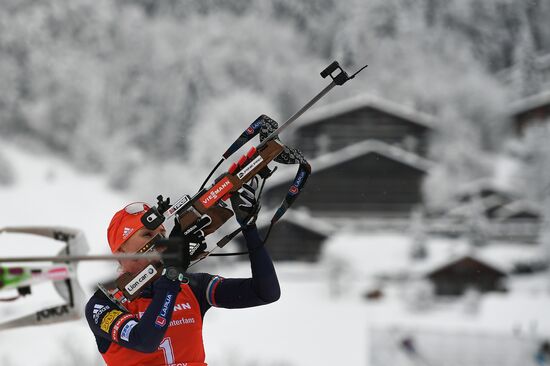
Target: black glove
[184,247]
[245,205]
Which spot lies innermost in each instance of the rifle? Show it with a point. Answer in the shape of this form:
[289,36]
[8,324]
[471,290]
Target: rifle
[255,162]
[208,202]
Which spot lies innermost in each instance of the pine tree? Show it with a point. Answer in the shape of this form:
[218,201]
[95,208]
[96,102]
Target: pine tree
[527,77]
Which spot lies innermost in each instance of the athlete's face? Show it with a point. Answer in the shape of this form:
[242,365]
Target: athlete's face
[135,243]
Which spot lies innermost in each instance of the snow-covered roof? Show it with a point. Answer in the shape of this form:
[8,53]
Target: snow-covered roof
[467,256]
[303,219]
[530,102]
[375,254]
[477,186]
[518,206]
[466,210]
[357,150]
[363,101]
[461,250]
[502,201]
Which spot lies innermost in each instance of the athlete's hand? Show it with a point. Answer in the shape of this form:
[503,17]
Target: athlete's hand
[186,246]
[245,204]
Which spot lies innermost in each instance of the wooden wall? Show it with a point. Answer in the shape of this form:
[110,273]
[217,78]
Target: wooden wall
[359,125]
[291,242]
[370,185]
[536,115]
[466,273]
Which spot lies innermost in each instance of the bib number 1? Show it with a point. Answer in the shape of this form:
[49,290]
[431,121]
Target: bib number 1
[166,347]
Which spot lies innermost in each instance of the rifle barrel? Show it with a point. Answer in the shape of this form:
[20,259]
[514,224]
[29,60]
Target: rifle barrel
[296,115]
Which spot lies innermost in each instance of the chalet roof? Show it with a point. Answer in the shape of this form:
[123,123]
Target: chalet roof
[470,256]
[363,101]
[529,103]
[387,253]
[351,152]
[484,206]
[517,207]
[304,220]
[484,187]
[481,196]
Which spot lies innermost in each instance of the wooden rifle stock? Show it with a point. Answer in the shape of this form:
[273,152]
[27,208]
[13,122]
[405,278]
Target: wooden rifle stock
[227,184]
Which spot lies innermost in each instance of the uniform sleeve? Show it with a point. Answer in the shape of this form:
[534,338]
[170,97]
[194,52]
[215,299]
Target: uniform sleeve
[262,288]
[113,324]
[198,283]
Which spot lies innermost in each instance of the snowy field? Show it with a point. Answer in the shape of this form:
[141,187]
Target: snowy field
[318,320]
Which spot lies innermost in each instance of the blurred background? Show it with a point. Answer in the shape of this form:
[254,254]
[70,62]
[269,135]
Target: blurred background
[422,235]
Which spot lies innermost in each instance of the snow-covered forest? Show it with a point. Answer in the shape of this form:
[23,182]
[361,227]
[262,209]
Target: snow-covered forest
[167,81]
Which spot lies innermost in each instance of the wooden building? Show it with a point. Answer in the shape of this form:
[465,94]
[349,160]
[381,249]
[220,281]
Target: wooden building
[534,107]
[530,111]
[367,179]
[297,237]
[467,272]
[501,214]
[481,197]
[517,221]
[485,190]
[368,158]
[364,117]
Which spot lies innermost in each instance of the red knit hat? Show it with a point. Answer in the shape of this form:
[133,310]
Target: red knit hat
[125,223]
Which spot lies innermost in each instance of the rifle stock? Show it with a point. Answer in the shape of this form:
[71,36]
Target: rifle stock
[227,184]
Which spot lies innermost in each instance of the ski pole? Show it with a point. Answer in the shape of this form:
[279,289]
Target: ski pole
[79,258]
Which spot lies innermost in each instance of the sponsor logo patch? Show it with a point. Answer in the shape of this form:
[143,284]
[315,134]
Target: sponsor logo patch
[297,182]
[219,190]
[253,127]
[166,304]
[161,318]
[184,306]
[160,321]
[248,168]
[98,310]
[141,279]
[127,231]
[182,321]
[116,327]
[179,204]
[108,319]
[299,178]
[125,332]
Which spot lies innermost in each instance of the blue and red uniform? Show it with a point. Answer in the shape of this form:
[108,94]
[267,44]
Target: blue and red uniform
[164,325]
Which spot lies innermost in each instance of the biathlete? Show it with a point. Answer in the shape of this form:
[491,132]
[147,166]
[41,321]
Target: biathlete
[163,326]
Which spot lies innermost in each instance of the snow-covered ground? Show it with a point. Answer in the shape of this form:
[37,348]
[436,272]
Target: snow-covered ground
[48,192]
[316,322]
